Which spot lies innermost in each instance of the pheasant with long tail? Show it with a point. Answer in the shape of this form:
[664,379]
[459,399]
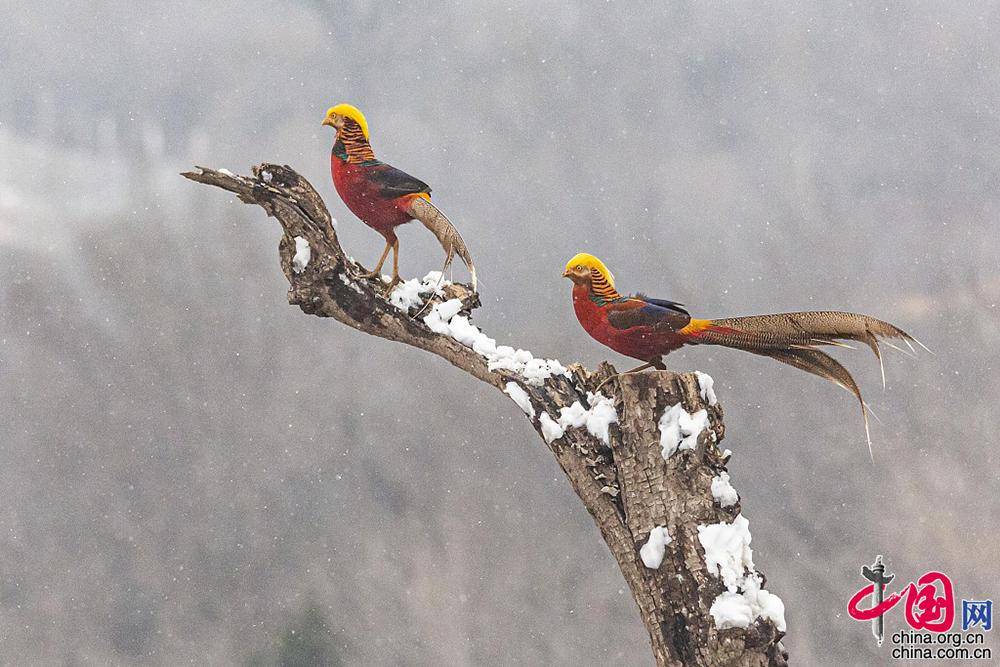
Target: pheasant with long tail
[648,329]
[382,196]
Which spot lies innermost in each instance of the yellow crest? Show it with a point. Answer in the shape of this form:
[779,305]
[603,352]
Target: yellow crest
[591,262]
[352,112]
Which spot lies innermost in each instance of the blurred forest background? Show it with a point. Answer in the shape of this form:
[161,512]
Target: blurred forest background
[192,470]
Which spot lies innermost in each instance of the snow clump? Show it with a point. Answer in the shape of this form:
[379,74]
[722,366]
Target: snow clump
[520,396]
[729,557]
[444,319]
[302,255]
[551,430]
[410,293]
[706,387]
[597,419]
[653,550]
[723,491]
[679,429]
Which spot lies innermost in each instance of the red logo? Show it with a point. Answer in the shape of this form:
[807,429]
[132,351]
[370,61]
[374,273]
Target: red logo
[927,608]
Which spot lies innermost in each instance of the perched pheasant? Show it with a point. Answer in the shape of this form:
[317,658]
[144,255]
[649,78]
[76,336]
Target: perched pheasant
[382,196]
[647,329]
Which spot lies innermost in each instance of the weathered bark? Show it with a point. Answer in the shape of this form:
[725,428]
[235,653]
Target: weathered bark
[627,486]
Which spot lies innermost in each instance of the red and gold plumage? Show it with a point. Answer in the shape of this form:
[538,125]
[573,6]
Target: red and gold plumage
[382,196]
[648,329]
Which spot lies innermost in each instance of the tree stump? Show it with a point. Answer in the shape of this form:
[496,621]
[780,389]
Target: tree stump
[642,455]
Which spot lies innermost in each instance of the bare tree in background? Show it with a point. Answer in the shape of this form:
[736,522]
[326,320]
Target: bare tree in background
[628,484]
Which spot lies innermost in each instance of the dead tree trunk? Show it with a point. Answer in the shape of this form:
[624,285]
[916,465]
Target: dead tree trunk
[702,605]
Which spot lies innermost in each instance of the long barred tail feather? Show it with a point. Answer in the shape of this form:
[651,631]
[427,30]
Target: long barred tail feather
[794,339]
[446,233]
[824,327]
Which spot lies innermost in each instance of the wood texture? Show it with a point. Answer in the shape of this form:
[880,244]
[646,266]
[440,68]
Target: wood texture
[627,487]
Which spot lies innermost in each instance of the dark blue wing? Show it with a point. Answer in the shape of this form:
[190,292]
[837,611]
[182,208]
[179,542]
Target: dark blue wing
[640,311]
[395,183]
[663,303]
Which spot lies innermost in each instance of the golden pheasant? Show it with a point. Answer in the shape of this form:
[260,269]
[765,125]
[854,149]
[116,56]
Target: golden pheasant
[648,329]
[382,196]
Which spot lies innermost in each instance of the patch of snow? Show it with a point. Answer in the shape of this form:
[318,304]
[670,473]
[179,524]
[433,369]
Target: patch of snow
[728,556]
[537,371]
[602,415]
[520,396]
[444,319]
[597,418]
[679,429]
[723,491]
[731,610]
[653,550]
[226,172]
[767,604]
[739,609]
[727,549]
[442,314]
[575,415]
[302,255]
[706,386]
[267,176]
[406,295]
[550,429]
[411,293]
[465,332]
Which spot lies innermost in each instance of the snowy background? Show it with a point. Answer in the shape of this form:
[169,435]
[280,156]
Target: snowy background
[189,467]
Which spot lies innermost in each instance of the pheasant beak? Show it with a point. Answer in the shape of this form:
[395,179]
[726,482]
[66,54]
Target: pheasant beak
[566,274]
[329,121]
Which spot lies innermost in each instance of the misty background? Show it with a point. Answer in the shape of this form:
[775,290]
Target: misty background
[192,470]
